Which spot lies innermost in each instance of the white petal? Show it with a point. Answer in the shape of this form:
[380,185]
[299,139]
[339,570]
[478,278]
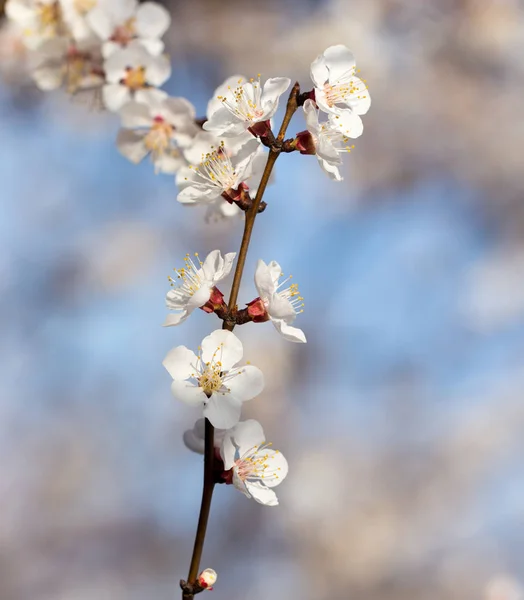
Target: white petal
[180,363]
[176,107]
[359,100]
[319,71]
[188,392]
[151,97]
[152,20]
[100,22]
[276,463]
[228,450]
[340,62]
[193,442]
[326,150]
[223,346]
[223,411]
[247,435]
[223,122]
[281,308]
[169,163]
[348,123]
[48,78]
[244,383]
[261,493]
[331,169]
[213,263]
[311,117]
[175,318]
[115,96]
[195,193]
[153,46]
[222,90]
[131,145]
[273,89]
[289,333]
[135,114]
[158,71]
[264,280]
[200,297]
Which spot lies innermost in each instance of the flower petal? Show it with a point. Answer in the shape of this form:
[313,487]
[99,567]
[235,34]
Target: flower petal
[277,467]
[244,383]
[223,411]
[319,71]
[228,450]
[193,441]
[181,363]
[213,264]
[311,116]
[131,145]
[289,333]
[340,63]
[175,318]
[348,123]
[115,96]
[152,20]
[247,434]
[280,307]
[261,493]
[273,89]
[188,392]
[264,281]
[135,114]
[223,346]
[200,297]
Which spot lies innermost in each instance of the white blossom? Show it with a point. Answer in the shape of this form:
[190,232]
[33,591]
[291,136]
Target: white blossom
[156,126]
[242,104]
[130,70]
[195,284]
[337,88]
[328,139]
[119,23]
[76,66]
[256,467]
[281,306]
[38,20]
[220,172]
[211,380]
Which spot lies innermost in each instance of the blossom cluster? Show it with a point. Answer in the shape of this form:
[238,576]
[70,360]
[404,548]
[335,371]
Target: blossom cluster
[113,51]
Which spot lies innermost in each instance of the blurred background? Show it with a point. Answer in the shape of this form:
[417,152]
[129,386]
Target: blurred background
[402,418]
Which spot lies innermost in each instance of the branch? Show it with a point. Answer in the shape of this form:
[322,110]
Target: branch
[191,586]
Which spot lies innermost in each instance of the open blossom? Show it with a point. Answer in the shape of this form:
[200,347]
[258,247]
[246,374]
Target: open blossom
[211,378]
[336,86]
[220,173]
[194,439]
[195,285]
[156,126]
[255,467]
[130,70]
[76,66]
[281,306]
[119,23]
[326,140]
[243,104]
[38,20]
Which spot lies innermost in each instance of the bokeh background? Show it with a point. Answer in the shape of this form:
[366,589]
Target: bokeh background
[402,418]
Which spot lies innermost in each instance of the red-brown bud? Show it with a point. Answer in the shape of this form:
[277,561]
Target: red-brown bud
[215,302]
[260,129]
[256,309]
[305,143]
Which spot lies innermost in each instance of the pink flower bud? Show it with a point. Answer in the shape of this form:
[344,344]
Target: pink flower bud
[207,579]
[216,301]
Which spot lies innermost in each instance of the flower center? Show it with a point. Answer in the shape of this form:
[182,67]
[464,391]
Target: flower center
[217,170]
[124,33]
[256,464]
[158,138]
[339,93]
[135,78]
[80,71]
[211,379]
[245,101]
[49,15]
